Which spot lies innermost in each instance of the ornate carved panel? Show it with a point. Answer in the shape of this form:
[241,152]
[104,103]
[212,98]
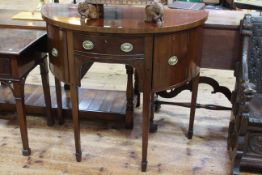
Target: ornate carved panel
[255,48]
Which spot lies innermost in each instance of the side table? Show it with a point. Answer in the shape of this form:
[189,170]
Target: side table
[20,52]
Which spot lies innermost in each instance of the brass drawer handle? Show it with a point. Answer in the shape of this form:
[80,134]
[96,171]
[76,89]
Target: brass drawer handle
[172,61]
[88,45]
[54,52]
[126,47]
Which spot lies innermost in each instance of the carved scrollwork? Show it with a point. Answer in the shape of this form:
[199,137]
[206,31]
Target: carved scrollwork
[206,80]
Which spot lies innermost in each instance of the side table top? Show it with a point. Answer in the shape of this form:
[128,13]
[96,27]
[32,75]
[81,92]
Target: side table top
[6,21]
[224,19]
[122,19]
[15,41]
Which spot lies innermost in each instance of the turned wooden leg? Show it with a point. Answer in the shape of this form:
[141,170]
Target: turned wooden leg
[231,138]
[157,105]
[193,106]
[66,87]
[136,90]
[76,125]
[46,89]
[59,101]
[129,97]
[20,108]
[146,120]
[236,163]
[153,127]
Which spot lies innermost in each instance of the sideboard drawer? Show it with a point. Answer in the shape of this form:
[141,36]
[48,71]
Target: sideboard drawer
[109,44]
[5,67]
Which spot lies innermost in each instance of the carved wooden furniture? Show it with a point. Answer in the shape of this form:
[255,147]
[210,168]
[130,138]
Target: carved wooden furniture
[125,39]
[20,52]
[245,129]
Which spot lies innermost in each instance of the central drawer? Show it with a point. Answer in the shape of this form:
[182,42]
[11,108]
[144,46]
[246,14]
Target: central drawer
[109,44]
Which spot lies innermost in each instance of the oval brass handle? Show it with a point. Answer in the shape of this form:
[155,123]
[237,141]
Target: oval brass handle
[126,47]
[88,45]
[172,60]
[54,52]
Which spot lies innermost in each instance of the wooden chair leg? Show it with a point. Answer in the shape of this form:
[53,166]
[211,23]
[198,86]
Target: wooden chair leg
[129,97]
[236,163]
[153,127]
[136,90]
[145,127]
[66,87]
[76,125]
[46,89]
[59,101]
[195,82]
[20,108]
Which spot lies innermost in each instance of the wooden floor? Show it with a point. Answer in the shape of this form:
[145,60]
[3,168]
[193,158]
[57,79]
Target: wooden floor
[108,148]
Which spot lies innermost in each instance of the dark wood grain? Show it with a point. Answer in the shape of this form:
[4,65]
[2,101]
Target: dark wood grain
[122,19]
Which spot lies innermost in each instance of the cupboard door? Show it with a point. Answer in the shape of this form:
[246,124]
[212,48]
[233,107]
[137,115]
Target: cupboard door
[170,63]
[57,49]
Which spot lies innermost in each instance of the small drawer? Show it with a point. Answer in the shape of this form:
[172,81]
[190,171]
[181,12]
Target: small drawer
[109,44]
[5,67]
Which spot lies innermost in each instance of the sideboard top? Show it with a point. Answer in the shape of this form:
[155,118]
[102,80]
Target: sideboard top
[122,19]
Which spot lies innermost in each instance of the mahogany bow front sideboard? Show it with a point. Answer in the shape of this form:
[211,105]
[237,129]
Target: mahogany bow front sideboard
[164,56]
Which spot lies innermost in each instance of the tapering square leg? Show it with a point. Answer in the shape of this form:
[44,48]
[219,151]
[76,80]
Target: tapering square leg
[59,101]
[145,127]
[136,90]
[76,124]
[195,82]
[129,97]
[46,89]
